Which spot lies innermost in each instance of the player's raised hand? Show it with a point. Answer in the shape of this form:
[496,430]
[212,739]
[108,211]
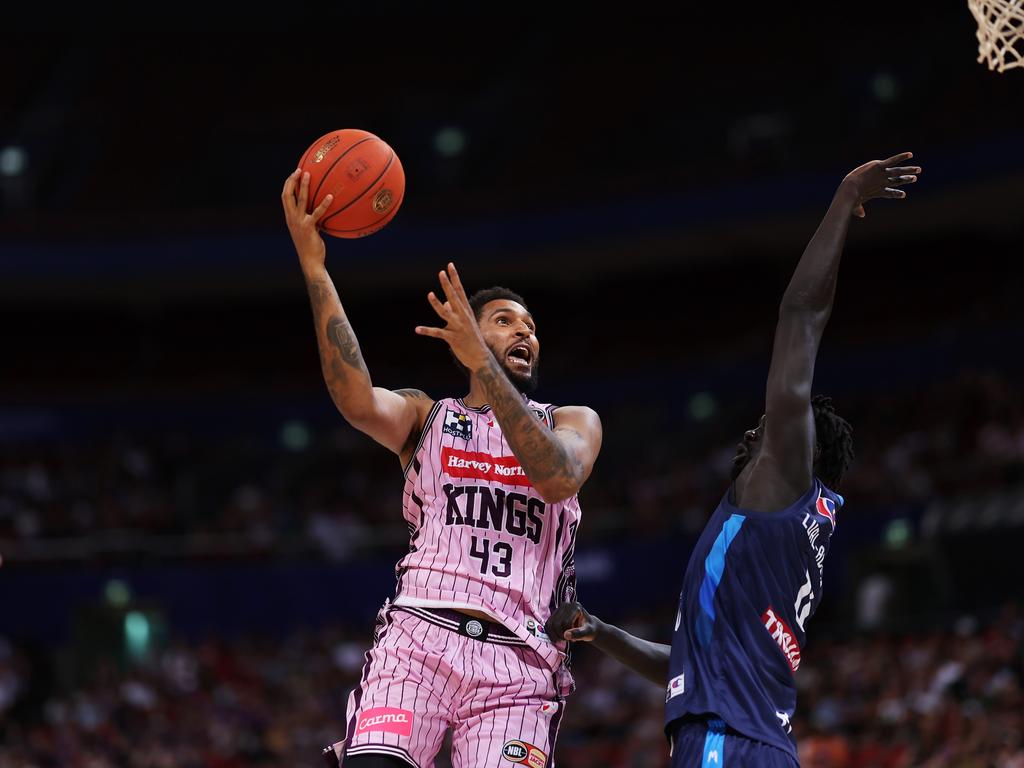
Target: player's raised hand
[303,226]
[571,622]
[880,178]
[461,331]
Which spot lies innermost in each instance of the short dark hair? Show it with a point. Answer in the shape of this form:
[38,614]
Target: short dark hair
[835,440]
[482,297]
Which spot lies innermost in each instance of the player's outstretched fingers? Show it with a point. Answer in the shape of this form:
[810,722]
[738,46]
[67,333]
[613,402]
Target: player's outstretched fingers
[457,281]
[303,191]
[899,181]
[897,159]
[446,285]
[435,333]
[321,209]
[443,310]
[288,193]
[904,170]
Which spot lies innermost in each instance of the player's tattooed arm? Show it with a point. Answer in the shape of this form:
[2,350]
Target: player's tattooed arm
[339,333]
[393,420]
[573,623]
[341,360]
[558,461]
[784,468]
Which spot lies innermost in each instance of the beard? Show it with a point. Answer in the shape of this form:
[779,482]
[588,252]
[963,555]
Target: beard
[526,383]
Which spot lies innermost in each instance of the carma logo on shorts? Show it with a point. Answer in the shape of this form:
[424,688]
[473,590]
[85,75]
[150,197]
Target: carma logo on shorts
[387,719]
[523,753]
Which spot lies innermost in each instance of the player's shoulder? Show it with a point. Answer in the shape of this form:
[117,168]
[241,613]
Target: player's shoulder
[417,395]
[580,417]
[420,400]
[575,412]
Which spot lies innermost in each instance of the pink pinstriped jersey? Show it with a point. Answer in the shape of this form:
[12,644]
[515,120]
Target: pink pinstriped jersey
[481,536]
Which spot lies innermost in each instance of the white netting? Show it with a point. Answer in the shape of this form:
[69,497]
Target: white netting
[1000,32]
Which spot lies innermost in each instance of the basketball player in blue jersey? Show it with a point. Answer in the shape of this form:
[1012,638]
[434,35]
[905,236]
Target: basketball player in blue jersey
[755,577]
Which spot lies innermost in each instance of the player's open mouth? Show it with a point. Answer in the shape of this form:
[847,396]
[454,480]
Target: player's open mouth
[520,356]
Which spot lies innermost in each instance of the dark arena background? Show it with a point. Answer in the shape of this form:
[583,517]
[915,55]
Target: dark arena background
[194,543]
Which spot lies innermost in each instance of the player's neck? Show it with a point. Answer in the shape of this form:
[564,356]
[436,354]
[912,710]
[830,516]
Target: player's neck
[477,398]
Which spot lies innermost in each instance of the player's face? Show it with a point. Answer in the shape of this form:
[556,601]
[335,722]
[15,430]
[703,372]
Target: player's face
[511,335]
[747,448]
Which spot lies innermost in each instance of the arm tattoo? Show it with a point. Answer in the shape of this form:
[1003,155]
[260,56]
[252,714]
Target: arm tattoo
[541,453]
[568,431]
[319,294]
[337,369]
[340,334]
[412,394]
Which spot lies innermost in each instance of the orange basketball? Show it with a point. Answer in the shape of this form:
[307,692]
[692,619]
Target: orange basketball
[365,176]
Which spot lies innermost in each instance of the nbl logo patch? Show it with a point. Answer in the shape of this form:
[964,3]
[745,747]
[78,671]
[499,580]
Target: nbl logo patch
[537,630]
[526,754]
[458,425]
[515,751]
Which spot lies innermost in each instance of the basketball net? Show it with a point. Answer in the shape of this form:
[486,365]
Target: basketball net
[1000,32]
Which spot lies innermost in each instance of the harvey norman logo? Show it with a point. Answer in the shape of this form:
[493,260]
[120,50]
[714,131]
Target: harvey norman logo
[483,466]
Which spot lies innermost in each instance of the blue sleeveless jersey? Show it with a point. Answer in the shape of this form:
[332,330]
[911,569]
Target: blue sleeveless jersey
[753,582]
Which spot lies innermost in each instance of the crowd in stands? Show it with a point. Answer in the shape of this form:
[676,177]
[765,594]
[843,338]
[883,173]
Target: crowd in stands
[301,486]
[949,697]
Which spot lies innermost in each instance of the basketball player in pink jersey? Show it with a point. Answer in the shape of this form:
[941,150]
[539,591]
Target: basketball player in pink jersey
[490,500]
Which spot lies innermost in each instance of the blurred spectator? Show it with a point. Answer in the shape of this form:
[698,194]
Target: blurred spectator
[337,494]
[951,697]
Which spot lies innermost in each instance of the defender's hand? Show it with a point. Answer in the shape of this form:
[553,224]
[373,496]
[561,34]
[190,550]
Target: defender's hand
[303,226]
[462,332]
[571,622]
[879,178]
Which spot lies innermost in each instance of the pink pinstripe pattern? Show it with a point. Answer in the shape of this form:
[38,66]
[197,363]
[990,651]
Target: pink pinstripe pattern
[440,569]
[490,694]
